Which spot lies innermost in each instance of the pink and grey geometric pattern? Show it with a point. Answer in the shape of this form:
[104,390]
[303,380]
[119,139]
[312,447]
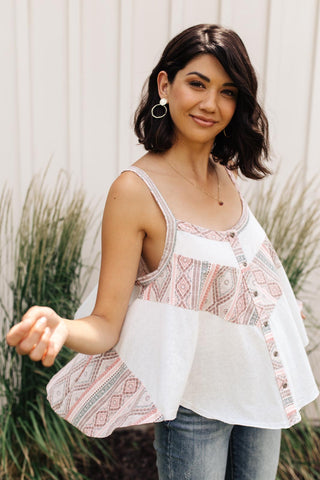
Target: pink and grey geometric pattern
[238,295]
[99,393]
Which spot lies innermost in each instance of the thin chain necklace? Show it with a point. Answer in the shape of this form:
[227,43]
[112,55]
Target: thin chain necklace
[218,199]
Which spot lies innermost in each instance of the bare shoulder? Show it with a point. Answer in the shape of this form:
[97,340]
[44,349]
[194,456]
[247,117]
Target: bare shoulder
[129,201]
[128,187]
[129,183]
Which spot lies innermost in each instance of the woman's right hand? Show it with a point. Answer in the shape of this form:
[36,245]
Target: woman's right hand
[40,334]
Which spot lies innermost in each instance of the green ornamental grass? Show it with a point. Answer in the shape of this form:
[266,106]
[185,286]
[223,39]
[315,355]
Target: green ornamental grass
[46,252]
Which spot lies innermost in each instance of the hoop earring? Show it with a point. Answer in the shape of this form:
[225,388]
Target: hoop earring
[224,133]
[161,104]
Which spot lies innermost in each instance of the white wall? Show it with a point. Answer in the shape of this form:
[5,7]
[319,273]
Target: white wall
[72,71]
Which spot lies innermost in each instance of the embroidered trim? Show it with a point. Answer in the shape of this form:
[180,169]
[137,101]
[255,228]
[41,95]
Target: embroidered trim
[280,375]
[146,278]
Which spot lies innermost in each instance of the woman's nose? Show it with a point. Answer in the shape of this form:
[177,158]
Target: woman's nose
[209,102]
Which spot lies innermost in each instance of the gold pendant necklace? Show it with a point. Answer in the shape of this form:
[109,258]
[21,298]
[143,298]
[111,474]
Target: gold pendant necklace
[218,199]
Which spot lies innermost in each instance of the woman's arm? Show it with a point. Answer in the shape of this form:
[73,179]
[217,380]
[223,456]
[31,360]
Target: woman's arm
[42,333]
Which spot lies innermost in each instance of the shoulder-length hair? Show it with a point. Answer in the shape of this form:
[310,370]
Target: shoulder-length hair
[245,144]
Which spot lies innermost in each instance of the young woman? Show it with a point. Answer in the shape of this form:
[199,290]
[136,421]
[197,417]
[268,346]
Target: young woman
[195,326]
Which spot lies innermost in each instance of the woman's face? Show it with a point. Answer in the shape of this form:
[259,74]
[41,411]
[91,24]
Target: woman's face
[202,99]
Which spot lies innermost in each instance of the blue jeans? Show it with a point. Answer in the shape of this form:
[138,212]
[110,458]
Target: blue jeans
[192,447]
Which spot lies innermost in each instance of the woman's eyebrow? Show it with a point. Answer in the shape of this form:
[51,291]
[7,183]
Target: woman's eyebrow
[206,79]
[230,84]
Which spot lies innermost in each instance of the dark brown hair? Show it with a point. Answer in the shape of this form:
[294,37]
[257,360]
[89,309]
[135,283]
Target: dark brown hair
[247,143]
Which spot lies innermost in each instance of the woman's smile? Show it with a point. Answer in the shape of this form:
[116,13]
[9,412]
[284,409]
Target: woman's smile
[203,121]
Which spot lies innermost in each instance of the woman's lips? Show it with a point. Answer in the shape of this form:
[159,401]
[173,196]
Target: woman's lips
[204,122]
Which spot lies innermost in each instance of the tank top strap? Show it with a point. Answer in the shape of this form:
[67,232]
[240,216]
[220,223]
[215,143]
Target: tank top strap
[154,191]
[170,223]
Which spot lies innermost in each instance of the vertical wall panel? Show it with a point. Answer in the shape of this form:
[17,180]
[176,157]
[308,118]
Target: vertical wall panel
[312,134]
[74,87]
[176,18]
[288,76]
[24,98]
[100,64]
[48,63]
[208,13]
[126,45]
[8,96]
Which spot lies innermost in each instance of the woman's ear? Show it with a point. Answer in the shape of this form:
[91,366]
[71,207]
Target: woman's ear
[163,84]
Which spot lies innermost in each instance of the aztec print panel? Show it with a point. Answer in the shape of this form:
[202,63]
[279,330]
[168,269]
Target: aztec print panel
[241,295]
[99,393]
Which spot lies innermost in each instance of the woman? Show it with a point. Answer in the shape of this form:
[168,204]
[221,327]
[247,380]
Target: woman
[212,346]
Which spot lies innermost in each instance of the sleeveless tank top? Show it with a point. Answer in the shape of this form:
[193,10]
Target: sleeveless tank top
[215,328]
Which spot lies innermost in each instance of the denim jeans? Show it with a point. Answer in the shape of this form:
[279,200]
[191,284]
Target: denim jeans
[192,447]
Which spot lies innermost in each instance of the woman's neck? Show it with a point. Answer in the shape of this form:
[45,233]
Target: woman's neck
[195,161]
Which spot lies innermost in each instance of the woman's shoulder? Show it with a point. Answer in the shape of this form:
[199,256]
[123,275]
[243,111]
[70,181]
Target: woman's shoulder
[130,187]
[130,184]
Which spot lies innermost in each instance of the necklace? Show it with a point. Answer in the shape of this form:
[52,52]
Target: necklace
[218,199]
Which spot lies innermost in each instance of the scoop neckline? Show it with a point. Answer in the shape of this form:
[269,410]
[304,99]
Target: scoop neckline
[208,231]
[236,227]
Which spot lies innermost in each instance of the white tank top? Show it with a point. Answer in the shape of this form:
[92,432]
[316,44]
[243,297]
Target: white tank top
[215,328]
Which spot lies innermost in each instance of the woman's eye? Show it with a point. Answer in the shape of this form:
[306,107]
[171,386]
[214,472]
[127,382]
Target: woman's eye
[197,83]
[230,93]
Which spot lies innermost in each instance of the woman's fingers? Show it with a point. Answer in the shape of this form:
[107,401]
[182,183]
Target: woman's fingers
[30,341]
[40,334]
[39,350]
[50,354]
[20,331]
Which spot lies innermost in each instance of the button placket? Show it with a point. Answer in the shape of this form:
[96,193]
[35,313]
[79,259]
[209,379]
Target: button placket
[247,277]
[263,305]
[243,263]
[280,375]
[237,249]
